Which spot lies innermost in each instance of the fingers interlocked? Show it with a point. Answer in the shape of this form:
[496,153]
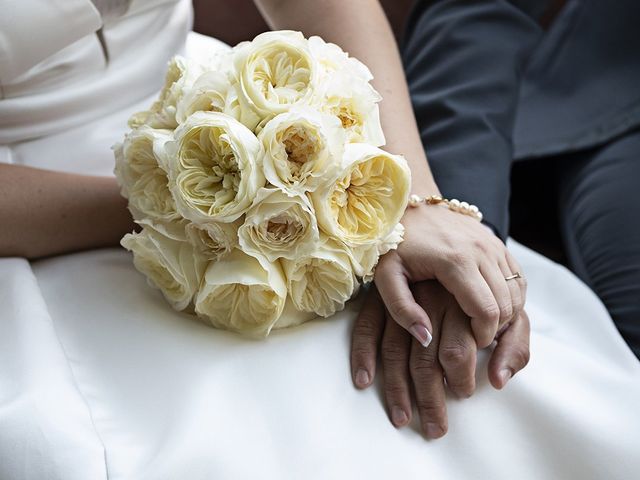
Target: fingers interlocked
[470,262]
[417,375]
[484,292]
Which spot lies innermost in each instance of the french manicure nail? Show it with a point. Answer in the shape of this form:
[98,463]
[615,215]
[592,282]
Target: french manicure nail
[362,377]
[421,333]
[398,416]
[433,430]
[505,375]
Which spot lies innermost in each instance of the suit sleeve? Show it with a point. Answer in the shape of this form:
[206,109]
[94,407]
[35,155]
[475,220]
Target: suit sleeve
[32,30]
[464,61]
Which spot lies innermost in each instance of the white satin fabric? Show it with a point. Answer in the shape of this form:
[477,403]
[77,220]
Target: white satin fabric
[100,379]
[54,73]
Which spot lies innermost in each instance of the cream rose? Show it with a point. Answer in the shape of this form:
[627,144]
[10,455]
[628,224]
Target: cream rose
[291,316]
[180,76]
[243,294]
[365,258]
[216,168]
[211,92]
[333,59]
[279,226]
[140,174]
[346,93]
[214,239]
[274,72]
[301,148]
[357,110]
[323,281]
[368,198]
[168,261]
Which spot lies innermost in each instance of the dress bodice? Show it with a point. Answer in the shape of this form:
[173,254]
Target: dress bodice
[57,72]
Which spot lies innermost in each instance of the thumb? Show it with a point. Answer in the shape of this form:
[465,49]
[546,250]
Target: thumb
[393,285]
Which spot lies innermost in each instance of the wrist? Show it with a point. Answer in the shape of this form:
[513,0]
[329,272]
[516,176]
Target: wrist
[453,205]
[424,189]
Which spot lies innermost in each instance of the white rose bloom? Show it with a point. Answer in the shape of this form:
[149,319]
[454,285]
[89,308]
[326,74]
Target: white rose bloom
[242,293]
[274,72]
[180,76]
[211,92]
[214,59]
[173,230]
[214,239]
[141,176]
[300,148]
[364,259]
[346,93]
[356,106]
[368,199]
[333,59]
[279,226]
[291,316]
[169,263]
[216,168]
[323,281]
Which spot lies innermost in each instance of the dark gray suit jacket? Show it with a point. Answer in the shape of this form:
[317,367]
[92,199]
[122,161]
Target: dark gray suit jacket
[490,85]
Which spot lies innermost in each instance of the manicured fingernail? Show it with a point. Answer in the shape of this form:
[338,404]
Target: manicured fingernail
[398,416]
[421,333]
[362,377]
[433,430]
[505,375]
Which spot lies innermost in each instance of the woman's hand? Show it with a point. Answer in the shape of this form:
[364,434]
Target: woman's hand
[451,356]
[466,258]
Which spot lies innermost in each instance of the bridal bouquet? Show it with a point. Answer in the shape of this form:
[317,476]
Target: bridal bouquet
[257,179]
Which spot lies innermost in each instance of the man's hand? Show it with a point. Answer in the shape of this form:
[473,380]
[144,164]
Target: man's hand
[451,356]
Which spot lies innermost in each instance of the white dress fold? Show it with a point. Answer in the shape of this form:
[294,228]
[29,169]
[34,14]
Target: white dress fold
[99,378]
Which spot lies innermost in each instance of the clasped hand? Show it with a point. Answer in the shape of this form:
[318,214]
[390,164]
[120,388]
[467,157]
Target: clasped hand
[448,286]
[466,258]
[450,357]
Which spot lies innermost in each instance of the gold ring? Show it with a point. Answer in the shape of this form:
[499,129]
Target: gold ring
[514,276]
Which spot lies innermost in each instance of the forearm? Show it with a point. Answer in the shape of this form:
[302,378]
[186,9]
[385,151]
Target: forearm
[46,213]
[361,28]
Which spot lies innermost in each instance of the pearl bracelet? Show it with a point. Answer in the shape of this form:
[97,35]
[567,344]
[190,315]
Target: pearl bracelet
[453,204]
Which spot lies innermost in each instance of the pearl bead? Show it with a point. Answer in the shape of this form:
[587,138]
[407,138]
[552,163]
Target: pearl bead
[454,204]
[414,200]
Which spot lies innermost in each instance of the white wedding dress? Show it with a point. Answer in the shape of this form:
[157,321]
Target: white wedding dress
[100,379]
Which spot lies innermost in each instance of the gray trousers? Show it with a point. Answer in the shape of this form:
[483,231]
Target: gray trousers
[577,208]
[599,217]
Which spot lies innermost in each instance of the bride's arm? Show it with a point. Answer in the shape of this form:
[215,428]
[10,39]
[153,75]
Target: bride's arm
[452,248]
[46,213]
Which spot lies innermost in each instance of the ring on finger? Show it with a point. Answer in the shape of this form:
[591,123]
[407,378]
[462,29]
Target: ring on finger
[513,277]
